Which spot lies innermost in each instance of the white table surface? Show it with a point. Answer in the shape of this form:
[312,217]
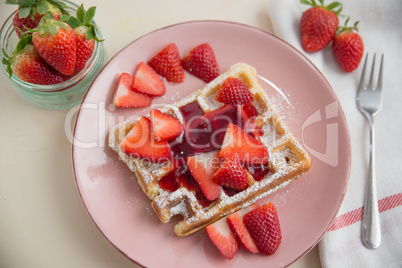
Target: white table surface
[43,222]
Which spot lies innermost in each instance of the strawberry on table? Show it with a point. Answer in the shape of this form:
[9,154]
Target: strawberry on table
[238,228]
[55,42]
[125,97]
[26,64]
[202,168]
[167,64]
[30,13]
[139,142]
[241,146]
[263,226]
[318,24]
[348,47]
[201,62]
[233,91]
[147,81]
[231,174]
[223,238]
[165,127]
[85,35]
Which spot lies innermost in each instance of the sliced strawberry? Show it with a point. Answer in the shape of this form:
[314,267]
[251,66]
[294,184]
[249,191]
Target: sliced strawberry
[237,226]
[165,127]
[233,91]
[140,143]
[231,174]
[147,81]
[241,146]
[125,97]
[167,64]
[220,234]
[202,168]
[250,110]
[263,226]
[248,123]
[201,62]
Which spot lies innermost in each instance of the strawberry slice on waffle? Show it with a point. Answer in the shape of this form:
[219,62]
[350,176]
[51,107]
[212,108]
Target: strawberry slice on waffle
[140,142]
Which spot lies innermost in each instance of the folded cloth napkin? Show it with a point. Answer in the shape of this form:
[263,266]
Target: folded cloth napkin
[380,25]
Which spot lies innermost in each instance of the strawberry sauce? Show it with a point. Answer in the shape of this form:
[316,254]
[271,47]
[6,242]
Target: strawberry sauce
[205,133]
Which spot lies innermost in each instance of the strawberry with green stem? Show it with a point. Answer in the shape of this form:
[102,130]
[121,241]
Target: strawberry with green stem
[348,47]
[318,24]
[27,65]
[85,34]
[30,12]
[55,42]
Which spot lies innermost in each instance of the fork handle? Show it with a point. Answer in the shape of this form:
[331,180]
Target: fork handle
[371,231]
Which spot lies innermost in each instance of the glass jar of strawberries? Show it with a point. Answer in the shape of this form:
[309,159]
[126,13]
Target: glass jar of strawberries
[42,74]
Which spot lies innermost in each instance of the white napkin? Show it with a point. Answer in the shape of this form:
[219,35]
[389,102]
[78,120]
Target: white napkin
[381,29]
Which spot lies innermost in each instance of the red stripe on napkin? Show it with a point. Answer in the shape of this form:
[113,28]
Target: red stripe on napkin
[357,214]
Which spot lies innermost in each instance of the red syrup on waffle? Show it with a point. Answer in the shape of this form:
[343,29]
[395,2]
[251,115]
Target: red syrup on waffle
[205,133]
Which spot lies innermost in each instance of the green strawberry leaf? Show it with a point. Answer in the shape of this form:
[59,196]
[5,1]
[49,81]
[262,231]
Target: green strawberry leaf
[42,7]
[89,15]
[24,12]
[81,13]
[26,3]
[72,21]
[336,7]
[90,33]
[53,29]
[60,24]
[60,4]
[24,41]
[7,61]
[5,54]
[11,2]
[32,13]
[23,3]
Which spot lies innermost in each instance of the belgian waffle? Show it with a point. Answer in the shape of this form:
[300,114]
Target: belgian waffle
[287,158]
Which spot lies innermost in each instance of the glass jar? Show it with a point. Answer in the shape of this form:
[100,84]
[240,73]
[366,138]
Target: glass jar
[57,96]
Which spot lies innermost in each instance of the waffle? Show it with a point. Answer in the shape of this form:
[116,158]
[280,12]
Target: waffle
[287,159]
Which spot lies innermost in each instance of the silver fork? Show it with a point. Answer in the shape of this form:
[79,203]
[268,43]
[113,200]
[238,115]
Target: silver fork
[369,102]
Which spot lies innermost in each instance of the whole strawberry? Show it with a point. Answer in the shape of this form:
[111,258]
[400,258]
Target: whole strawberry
[85,34]
[55,42]
[348,47]
[30,13]
[27,65]
[318,24]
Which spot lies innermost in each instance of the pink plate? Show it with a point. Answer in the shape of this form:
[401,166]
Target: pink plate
[303,97]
